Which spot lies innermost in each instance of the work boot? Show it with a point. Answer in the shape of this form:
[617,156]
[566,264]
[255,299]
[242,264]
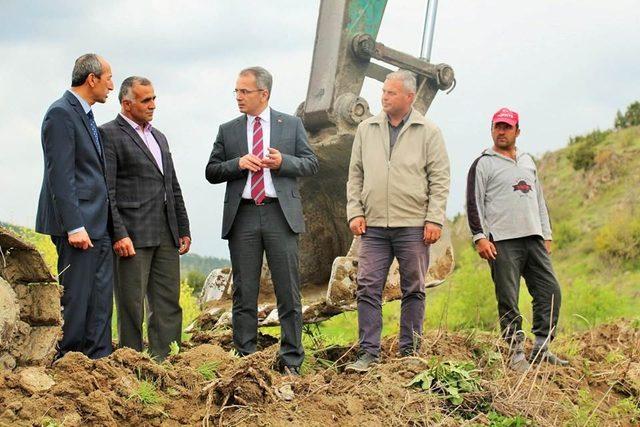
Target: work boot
[518,362]
[517,359]
[543,354]
[291,371]
[408,352]
[364,362]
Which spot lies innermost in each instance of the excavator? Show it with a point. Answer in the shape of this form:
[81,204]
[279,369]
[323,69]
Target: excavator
[346,52]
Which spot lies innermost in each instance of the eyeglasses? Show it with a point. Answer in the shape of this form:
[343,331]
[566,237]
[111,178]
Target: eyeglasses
[245,92]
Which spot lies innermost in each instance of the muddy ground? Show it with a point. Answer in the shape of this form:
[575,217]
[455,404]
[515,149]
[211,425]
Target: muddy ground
[206,384]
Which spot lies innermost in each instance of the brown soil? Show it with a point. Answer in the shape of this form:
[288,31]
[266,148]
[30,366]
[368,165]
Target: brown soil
[605,362]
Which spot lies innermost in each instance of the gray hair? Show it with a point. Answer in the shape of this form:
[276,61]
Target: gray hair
[407,78]
[88,63]
[128,83]
[264,80]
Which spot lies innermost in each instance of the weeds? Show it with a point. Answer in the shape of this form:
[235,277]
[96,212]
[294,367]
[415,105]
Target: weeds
[209,370]
[49,422]
[174,348]
[449,379]
[146,393]
[499,420]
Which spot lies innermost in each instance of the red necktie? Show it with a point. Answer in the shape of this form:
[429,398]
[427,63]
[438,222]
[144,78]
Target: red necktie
[257,178]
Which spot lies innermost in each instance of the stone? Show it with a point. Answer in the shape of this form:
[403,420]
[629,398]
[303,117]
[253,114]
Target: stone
[35,380]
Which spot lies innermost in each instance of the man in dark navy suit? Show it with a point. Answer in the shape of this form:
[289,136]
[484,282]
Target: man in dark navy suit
[74,209]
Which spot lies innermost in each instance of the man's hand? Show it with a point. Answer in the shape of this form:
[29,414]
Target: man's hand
[486,249]
[547,245]
[358,225]
[80,240]
[124,248]
[185,244]
[250,162]
[432,233]
[273,160]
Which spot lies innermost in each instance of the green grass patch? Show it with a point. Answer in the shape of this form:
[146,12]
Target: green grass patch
[209,369]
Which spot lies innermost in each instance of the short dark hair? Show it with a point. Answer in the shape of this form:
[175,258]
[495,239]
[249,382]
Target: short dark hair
[89,63]
[127,84]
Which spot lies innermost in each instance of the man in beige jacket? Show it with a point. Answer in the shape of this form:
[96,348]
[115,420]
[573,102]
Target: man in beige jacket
[396,199]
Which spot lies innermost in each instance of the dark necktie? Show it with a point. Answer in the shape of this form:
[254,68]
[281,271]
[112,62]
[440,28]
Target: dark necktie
[257,178]
[94,131]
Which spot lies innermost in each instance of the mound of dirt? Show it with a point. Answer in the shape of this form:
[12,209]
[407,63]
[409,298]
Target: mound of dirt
[209,385]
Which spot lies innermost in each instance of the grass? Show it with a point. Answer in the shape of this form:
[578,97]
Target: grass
[209,369]
[147,393]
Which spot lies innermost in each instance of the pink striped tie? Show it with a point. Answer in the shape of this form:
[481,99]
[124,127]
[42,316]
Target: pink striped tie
[257,178]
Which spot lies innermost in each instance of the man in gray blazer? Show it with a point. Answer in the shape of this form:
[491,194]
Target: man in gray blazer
[260,155]
[74,209]
[151,227]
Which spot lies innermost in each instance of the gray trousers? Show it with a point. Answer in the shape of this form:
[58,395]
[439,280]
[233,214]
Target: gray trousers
[378,247]
[258,230]
[526,257]
[150,280]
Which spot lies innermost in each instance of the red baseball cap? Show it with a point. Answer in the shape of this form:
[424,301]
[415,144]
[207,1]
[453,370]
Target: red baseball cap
[504,115]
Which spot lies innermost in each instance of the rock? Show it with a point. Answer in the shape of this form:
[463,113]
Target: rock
[40,345]
[7,361]
[35,380]
[285,393]
[39,303]
[9,313]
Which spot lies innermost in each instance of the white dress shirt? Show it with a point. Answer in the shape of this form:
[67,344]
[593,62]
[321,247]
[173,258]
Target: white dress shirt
[265,121]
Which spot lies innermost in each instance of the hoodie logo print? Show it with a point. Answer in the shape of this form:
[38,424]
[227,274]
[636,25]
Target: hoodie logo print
[522,186]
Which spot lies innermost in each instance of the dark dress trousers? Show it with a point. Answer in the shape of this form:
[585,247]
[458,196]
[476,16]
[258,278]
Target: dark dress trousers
[74,195]
[148,208]
[270,229]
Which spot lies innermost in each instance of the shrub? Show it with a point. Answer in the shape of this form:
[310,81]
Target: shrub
[564,234]
[582,151]
[619,239]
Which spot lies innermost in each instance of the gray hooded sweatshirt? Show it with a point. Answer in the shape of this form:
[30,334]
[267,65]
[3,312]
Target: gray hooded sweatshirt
[504,198]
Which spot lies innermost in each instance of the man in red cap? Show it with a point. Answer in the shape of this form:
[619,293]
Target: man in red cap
[510,224]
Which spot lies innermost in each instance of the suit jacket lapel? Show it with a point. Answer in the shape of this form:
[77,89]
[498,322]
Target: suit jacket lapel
[276,129]
[85,120]
[241,129]
[126,127]
[164,150]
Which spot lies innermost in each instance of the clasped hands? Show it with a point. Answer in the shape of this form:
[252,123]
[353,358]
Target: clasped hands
[251,162]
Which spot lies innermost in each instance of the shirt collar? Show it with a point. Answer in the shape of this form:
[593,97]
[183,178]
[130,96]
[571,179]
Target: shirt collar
[404,120]
[85,105]
[265,116]
[135,126]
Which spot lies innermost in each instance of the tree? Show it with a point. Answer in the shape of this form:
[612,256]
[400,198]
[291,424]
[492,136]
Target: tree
[630,118]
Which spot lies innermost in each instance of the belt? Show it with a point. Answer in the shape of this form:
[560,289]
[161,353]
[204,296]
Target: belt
[266,201]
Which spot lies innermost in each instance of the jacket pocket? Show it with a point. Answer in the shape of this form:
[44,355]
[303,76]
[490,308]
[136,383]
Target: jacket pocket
[84,194]
[129,205]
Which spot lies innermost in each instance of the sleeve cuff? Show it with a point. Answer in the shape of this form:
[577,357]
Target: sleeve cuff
[478,236]
[75,230]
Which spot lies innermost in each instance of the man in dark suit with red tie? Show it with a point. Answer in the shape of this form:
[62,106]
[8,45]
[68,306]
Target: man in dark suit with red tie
[260,155]
[74,209]
[151,226]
